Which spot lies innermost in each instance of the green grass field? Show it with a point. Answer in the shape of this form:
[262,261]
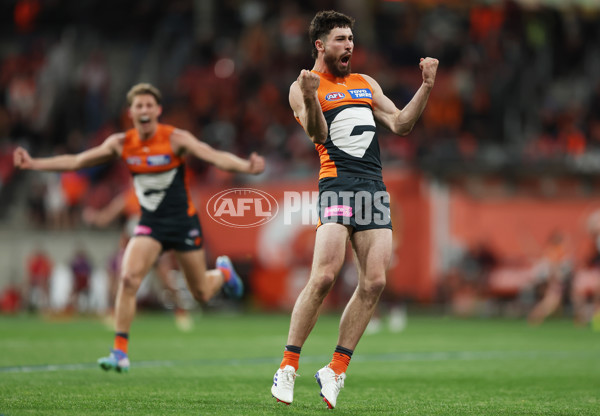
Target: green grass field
[437,366]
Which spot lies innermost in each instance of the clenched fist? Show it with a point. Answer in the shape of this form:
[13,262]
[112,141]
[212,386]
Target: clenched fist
[21,158]
[428,69]
[257,164]
[308,82]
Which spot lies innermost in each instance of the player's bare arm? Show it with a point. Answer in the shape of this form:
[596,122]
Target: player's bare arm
[402,121]
[102,217]
[304,101]
[184,142]
[108,150]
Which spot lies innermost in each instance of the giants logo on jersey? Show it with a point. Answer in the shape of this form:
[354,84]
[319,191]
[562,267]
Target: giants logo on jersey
[335,96]
[352,130]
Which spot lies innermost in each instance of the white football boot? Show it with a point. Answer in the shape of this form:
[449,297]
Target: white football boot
[283,384]
[331,384]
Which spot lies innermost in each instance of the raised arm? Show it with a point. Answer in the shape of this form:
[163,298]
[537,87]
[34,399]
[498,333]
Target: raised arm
[304,101]
[402,121]
[109,149]
[185,142]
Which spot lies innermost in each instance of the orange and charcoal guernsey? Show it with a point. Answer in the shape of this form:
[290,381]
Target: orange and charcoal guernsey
[351,148]
[159,177]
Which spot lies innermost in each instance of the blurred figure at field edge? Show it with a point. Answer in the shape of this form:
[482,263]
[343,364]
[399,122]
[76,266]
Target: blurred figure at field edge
[37,285]
[552,272]
[585,292]
[81,268]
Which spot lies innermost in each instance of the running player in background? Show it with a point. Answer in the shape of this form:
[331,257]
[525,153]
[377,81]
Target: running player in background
[154,154]
[339,110]
[126,205]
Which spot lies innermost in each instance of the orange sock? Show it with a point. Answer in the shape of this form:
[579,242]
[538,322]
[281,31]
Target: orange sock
[290,358]
[121,341]
[341,359]
[226,273]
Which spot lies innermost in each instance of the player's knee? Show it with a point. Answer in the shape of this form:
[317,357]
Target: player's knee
[130,281]
[374,286]
[323,282]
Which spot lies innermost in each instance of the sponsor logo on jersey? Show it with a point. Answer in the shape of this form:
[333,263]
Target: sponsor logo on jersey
[361,93]
[158,160]
[335,96]
[134,160]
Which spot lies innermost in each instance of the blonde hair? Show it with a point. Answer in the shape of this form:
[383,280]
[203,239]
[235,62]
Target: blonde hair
[143,88]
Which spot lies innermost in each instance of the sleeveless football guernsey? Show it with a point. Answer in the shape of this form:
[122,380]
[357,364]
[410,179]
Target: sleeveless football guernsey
[158,175]
[351,148]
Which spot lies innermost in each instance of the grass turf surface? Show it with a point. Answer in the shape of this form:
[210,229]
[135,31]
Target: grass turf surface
[437,366]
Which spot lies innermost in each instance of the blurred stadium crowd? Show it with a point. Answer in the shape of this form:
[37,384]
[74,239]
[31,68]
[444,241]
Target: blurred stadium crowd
[519,84]
[518,87]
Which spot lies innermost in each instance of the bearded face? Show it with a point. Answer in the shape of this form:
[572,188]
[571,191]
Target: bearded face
[337,66]
[338,47]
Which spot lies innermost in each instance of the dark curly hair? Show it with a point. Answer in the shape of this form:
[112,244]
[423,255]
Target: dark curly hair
[322,24]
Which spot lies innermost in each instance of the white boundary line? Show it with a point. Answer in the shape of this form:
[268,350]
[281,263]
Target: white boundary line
[391,357]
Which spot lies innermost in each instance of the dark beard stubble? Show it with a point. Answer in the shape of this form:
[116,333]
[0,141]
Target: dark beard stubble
[333,68]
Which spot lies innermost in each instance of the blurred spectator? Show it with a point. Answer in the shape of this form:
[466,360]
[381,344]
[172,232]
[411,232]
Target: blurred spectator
[228,80]
[21,101]
[7,168]
[519,86]
[35,203]
[226,71]
[94,80]
[553,273]
[61,287]
[585,292]
[465,284]
[74,186]
[26,13]
[10,299]
[593,227]
[54,202]
[37,284]
[81,267]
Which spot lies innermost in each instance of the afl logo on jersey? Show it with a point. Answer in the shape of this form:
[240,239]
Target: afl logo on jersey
[134,160]
[335,96]
[158,160]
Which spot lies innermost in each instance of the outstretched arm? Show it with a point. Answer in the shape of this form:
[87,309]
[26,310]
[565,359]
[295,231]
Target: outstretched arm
[108,150]
[185,142]
[402,121]
[304,101]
